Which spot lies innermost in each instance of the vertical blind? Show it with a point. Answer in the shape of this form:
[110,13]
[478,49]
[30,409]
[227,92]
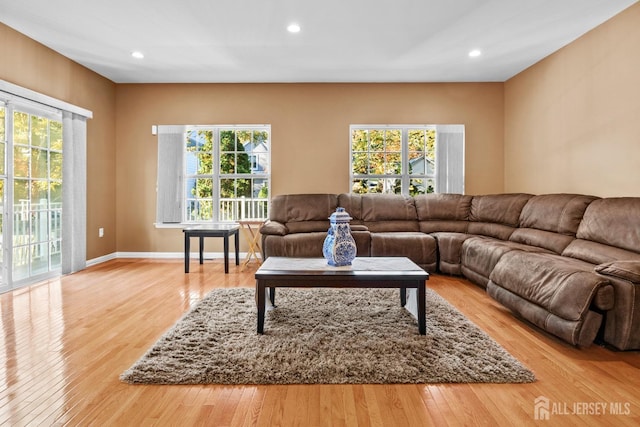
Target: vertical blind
[450,159]
[74,188]
[170,174]
[74,192]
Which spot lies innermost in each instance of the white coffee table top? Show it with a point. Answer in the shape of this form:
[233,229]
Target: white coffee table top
[377,264]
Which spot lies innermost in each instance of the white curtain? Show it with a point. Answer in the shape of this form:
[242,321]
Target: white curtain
[74,192]
[450,159]
[171,140]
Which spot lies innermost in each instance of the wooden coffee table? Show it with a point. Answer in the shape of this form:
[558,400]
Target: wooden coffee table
[366,272]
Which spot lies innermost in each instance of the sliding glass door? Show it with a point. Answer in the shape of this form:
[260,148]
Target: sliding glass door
[37,195]
[3,265]
[30,193]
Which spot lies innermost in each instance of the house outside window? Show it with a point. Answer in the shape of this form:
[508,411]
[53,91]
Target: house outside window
[407,159]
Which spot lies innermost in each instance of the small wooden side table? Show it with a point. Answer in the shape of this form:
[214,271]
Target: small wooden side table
[211,230]
[252,232]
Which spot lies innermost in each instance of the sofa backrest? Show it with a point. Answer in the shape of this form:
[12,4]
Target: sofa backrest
[551,221]
[443,212]
[613,221]
[303,212]
[598,253]
[609,231]
[382,212]
[496,215]
[352,204]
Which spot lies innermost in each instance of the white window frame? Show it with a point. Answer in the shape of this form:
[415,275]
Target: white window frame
[172,175]
[448,175]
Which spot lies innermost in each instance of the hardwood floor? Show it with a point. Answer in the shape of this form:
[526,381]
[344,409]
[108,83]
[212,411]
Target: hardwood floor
[65,342]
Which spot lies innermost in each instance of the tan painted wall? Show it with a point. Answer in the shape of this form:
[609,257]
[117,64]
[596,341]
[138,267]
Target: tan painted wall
[572,121]
[31,65]
[310,136]
[569,123]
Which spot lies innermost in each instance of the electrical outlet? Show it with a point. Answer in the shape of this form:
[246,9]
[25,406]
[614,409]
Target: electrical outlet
[100,232]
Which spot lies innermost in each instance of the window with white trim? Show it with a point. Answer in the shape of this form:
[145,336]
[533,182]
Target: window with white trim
[407,159]
[213,173]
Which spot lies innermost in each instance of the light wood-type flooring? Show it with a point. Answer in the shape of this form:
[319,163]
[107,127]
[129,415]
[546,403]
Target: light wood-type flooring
[64,343]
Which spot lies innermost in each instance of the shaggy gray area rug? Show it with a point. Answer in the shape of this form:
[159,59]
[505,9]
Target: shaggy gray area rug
[324,336]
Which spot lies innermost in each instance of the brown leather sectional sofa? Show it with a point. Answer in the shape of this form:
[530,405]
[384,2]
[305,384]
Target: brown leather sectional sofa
[568,263]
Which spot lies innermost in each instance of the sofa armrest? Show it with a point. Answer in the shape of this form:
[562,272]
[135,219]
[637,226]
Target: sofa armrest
[359,228]
[627,270]
[274,228]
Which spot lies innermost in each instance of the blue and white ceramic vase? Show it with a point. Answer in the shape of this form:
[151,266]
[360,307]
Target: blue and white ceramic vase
[339,248]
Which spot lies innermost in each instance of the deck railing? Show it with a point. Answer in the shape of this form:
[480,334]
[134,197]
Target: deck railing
[37,231]
[231,209]
[243,208]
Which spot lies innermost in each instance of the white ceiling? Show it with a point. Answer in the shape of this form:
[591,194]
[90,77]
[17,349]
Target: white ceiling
[341,40]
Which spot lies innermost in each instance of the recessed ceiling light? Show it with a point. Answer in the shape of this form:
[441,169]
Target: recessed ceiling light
[137,54]
[475,53]
[293,28]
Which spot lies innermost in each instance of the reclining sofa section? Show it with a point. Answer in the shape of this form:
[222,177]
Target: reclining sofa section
[567,263]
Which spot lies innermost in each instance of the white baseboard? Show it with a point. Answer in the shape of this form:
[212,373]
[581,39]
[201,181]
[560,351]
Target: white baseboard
[101,259]
[160,255]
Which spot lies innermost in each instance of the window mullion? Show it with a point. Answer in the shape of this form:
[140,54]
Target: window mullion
[216,176]
[8,223]
[404,172]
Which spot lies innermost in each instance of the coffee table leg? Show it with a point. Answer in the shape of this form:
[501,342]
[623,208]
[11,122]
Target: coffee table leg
[403,297]
[422,315]
[260,302]
[272,296]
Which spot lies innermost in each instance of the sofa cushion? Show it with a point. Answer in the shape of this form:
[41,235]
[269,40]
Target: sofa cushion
[304,245]
[302,207]
[436,226]
[608,221]
[388,207]
[550,221]
[557,213]
[488,229]
[563,287]
[481,254]
[309,244]
[352,204]
[577,332]
[273,227]
[626,270]
[418,247]
[389,213]
[543,239]
[392,226]
[307,226]
[498,208]
[597,253]
[443,212]
[496,215]
[450,251]
[443,206]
